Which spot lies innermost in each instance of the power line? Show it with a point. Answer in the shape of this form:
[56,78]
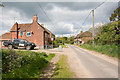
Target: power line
[46,14]
[86,17]
[91,11]
[99,5]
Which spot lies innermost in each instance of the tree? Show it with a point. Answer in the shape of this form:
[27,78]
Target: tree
[2,5]
[115,15]
[110,34]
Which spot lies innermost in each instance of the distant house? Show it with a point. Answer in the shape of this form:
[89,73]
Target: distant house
[82,38]
[4,37]
[33,32]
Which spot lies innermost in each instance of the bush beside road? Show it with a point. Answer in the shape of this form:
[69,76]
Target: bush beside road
[23,64]
[104,49]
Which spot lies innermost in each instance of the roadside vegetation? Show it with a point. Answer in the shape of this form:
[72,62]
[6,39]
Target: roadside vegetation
[62,70]
[104,49]
[23,64]
[107,37]
[63,40]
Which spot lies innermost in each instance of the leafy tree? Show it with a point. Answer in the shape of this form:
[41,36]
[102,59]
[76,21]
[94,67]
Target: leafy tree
[110,34]
[115,15]
[71,40]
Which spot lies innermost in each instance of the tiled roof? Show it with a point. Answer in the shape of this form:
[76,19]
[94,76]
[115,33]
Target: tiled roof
[27,27]
[5,36]
[85,34]
[46,29]
[22,27]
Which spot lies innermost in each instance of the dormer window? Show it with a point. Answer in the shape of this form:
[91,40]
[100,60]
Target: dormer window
[28,34]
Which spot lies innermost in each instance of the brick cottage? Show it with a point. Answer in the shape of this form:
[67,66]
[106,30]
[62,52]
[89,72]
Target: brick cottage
[33,32]
[83,37]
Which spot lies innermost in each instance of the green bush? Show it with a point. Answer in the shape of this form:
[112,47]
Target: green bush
[104,49]
[23,64]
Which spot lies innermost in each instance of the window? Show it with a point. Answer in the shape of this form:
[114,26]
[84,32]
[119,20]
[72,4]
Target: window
[21,33]
[80,42]
[52,36]
[15,40]
[28,34]
[48,35]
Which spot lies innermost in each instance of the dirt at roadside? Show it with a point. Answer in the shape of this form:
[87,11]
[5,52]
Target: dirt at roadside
[49,71]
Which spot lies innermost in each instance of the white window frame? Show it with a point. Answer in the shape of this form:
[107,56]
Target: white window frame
[20,33]
[28,35]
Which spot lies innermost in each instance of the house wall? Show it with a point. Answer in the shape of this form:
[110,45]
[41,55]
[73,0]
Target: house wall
[37,37]
[83,39]
[13,35]
[22,37]
[46,38]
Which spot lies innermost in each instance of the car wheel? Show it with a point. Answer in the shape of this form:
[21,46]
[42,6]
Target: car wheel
[32,47]
[10,46]
[28,47]
[15,47]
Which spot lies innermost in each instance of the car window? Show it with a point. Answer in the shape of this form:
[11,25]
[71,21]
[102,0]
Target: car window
[22,40]
[15,40]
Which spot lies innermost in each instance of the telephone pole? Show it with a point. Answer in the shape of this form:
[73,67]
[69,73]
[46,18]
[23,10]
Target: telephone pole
[14,19]
[93,27]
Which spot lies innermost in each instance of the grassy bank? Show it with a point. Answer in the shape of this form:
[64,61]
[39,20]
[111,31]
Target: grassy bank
[62,70]
[23,64]
[104,49]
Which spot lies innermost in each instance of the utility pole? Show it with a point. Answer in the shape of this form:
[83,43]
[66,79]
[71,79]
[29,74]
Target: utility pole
[93,27]
[62,39]
[14,19]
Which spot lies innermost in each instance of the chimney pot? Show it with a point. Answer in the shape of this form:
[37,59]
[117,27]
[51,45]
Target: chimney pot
[81,31]
[35,18]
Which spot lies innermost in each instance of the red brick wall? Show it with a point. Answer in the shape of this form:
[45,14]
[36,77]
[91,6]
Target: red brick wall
[37,37]
[13,35]
[83,39]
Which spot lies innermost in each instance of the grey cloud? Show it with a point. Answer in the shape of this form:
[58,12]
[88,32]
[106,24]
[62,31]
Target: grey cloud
[75,16]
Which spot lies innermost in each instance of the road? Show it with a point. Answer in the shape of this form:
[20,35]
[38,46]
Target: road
[96,66]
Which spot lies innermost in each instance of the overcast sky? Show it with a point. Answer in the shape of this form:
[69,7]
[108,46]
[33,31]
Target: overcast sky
[66,17]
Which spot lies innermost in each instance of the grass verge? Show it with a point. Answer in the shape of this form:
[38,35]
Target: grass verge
[62,70]
[104,49]
[23,64]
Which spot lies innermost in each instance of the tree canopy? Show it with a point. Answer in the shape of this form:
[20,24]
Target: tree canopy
[115,15]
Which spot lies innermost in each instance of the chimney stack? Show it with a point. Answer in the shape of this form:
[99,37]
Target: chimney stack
[16,28]
[81,31]
[35,18]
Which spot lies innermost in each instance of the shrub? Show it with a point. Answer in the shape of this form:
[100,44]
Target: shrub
[23,64]
[104,49]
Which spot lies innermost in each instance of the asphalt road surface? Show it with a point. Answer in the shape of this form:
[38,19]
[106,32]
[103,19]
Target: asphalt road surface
[98,67]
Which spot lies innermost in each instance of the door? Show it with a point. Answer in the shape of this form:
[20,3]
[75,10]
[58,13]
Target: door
[16,43]
[21,43]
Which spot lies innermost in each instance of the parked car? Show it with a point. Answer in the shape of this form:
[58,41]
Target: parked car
[17,43]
